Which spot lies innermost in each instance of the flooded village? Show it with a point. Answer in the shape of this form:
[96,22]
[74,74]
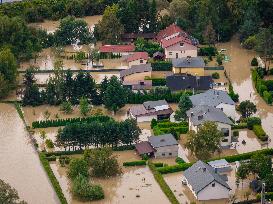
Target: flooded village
[161,107]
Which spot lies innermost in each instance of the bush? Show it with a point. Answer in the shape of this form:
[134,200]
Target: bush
[271,71]
[77,167]
[158,164]
[267,97]
[235,133]
[174,168]
[215,75]
[135,163]
[261,89]
[179,160]
[85,191]
[153,123]
[254,62]
[162,66]
[49,143]
[251,121]
[52,178]
[51,158]
[66,107]
[162,183]
[158,81]
[239,126]
[250,42]
[207,51]
[64,160]
[260,133]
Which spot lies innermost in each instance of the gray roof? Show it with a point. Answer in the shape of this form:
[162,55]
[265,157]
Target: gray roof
[162,140]
[152,104]
[188,62]
[136,69]
[211,98]
[200,175]
[201,114]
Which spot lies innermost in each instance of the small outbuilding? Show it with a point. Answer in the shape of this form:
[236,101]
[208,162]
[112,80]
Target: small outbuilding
[144,148]
[220,166]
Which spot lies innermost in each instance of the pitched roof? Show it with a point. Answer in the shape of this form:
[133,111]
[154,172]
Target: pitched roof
[117,48]
[136,69]
[178,82]
[211,98]
[188,62]
[137,56]
[200,175]
[174,40]
[168,31]
[200,114]
[139,85]
[144,147]
[153,104]
[162,140]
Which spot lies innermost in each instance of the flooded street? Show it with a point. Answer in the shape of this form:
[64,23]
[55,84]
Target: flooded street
[240,74]
[19,162]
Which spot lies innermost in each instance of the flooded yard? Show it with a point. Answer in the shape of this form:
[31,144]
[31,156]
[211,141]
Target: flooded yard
[19,162]
[130,187]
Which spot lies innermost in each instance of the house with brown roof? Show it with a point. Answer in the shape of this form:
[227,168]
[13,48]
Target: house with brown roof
[137,58]
[117,49]
[151,110]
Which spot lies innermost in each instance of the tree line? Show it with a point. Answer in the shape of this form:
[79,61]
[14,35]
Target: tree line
[99,134]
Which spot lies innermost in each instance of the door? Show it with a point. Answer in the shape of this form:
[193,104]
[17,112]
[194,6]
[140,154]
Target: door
[176,55]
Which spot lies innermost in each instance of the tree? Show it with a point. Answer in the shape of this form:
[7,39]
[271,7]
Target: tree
[102,162]
[78,167]
[8,194]
[110,28]
[75,8]
[84,106]
[205,142]
[115,96]
[209,34]
[66,107]
[68,86]
[153,17]
[129,131]
[179,9]
[184,105]
[247,108]
[8,71]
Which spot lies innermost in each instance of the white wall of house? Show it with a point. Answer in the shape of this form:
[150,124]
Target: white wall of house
[228,109]
[212,193]
[178,51]
[138,62]
[146,118]
[167,151]
[122,53]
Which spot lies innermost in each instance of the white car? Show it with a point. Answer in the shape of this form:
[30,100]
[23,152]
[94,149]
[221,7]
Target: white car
[223,50]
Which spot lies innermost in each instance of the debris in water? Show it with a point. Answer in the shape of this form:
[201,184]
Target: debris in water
[137,196]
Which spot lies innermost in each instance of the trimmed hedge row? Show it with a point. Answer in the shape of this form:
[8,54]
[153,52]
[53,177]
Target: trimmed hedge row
[162,183]
[64,122]
[52,178]
[239,126]
[158,164]
[158,82]
[207,51]
[162,66]
[174,168]
[167,127]
[135,163]
[260,133]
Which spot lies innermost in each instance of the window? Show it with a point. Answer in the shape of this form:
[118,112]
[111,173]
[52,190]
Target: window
[213,184]
[170,53]
[141,61]
[181,44]
[163,154]
[225,131]
[170,154]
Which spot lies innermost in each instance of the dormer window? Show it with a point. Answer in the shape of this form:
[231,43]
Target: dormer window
[181,44]
[213,184]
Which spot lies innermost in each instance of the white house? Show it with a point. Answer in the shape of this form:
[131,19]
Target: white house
[216,98]
[151,110]
[137,58]
[204,183]
[200,114]
[117,49]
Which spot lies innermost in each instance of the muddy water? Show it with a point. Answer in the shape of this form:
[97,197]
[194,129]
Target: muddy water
[239,71]
[118,190]
[19,162]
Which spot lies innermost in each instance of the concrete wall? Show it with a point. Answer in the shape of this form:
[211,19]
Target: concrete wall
[166,150]
[228,109]
[137,62]
[213,193]
[199,71]
[137,76]
[177,51]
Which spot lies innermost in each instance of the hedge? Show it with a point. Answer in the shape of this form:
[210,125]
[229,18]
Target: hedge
[167,127]
[67,121]
[251,121]
[52,178]
[162,66]
[174,168]
[135,163]
[260,133]
[158,164]
[158,82]
[207,51]
[179,160]
[162,183]
[239,126]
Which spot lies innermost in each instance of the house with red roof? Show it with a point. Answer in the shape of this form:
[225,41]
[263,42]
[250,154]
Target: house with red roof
[117,49]
[177,43]
[137,58]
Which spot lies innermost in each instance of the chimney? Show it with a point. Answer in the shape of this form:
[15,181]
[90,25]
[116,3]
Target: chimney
[200,117]
[191,114]
[208,110]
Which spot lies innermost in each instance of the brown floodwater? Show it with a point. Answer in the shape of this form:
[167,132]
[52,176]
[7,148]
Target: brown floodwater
[19,162]
[239,70]
[130,187]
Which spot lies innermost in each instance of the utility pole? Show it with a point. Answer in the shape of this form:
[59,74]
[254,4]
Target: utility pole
[263,194]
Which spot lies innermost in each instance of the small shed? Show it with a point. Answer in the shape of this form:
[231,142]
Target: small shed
[220,166]
[143,148]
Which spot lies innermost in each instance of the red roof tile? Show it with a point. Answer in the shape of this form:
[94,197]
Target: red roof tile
[138,55]
[175,40]
[117,48]
[170,30]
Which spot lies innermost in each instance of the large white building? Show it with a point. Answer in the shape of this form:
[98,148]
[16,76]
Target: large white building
[204,183]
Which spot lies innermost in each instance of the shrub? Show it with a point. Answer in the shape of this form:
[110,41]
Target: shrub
[262,88]
[49,143]
[153,123]
[219,59]
[76,167]
[260,133]
[215,75]
[85,191]
[251,121]
[162,66]
[250,42]
[232,94]
[51,158]
[235,133]
[66,107]
[174,168]
[271,71]
[179,160]
[239,126]
[267,97]
[207,51]
[158,81]
[158,164]
[64,160]
[135,163]
[254,62]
